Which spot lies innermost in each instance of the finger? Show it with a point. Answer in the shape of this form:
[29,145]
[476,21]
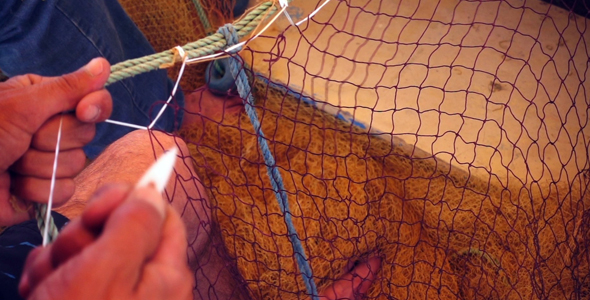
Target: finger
[52,95]
[131,235]
[165,282]
[37,267]
[57,94]
[39,164]
[167,274]
[72,240]
[172,249]
[37,190]
[20,81]
[102,203]
[74,133]
[95,107]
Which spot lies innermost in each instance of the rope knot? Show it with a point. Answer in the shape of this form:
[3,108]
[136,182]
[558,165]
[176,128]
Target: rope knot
[231,36]
[179,56]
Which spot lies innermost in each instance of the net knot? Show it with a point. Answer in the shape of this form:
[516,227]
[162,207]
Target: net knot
[231,36]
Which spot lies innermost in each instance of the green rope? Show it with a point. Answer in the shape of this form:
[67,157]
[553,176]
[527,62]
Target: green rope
[200,48]
[202,16]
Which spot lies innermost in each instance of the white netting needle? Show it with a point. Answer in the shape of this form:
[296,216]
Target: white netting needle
[159,173]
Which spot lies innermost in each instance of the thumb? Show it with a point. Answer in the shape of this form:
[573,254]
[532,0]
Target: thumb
[53,95]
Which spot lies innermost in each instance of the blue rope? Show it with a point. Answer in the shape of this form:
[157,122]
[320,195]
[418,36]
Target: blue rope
[301,96]
[276,180]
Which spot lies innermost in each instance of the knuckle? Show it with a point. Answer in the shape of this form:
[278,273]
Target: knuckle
[45,137]
[67,83]
[106,105]
[166,140]
[24,80]
[72,163]
[76,161]
[41,138]
[79,157]
[64,190]
[105,97]
[88,133]
[27,164]
[77,134]
[23,189]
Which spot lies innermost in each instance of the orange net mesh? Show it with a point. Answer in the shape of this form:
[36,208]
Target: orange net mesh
[494,206]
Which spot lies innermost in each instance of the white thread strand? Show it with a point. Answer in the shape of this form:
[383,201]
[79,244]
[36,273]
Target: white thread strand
[184,61]
[52,186]
[313,13]
[285,4]
[217,56]
[125,124]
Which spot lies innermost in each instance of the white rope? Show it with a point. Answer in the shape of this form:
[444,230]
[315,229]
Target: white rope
[184,61]
[284,4]
[313,13]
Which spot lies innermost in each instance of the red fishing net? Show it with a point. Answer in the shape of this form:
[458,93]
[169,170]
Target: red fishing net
[449,138]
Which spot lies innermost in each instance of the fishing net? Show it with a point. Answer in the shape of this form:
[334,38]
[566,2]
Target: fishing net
[449,138]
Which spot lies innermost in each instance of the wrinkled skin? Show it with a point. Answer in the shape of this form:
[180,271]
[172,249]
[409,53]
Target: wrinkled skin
[31,109]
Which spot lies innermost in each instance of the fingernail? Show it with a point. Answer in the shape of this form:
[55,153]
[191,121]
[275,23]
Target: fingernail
[94,67]
[91,113]
[151,196]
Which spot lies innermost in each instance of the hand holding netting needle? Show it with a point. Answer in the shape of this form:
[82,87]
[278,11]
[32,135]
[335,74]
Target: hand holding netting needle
[43,213]
[157,175]
[132,231]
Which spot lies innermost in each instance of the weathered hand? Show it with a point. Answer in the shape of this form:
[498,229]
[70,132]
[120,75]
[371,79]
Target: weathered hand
[126,245]
[30,108]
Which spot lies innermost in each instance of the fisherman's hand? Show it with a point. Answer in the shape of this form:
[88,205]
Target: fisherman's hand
[30,112]
[126,245]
